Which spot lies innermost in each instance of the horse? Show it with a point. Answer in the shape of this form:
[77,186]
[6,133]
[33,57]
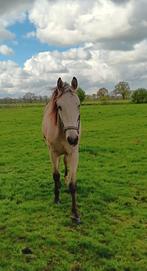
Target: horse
[61,129]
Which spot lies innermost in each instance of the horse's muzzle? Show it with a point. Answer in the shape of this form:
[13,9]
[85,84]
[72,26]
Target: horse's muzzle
[72,140]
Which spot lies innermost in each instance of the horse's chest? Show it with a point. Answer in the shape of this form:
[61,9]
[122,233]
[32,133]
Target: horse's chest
[61,147]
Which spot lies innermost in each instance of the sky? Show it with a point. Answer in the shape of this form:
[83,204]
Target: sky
[101,42]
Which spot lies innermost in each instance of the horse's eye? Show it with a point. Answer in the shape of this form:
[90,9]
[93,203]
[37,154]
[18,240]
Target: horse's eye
[79,106]
[59,108]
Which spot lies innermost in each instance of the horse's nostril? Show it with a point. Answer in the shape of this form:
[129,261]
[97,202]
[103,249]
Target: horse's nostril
[72,140]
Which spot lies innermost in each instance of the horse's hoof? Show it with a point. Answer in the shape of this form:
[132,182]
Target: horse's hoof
[58,202]
[78,220]
[75,219]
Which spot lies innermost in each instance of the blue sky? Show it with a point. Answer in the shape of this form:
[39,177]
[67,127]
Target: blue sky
[72,38]
[23,47]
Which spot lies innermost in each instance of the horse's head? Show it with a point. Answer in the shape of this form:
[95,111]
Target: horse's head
[68,110]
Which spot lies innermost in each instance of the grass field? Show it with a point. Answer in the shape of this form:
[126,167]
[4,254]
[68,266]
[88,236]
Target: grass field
[35,234]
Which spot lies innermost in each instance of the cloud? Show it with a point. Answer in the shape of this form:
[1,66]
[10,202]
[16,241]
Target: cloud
[5,34]
[5,50]
[11,12]
[40,73]
[114,24]
[85,63]
[15,81]
[120,2]
[10,77]
[9,9]
[30,35]
[75,22]
[93,67]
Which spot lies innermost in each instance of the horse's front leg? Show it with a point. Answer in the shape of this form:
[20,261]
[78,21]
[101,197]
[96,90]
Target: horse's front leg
[56,175]
[73,164]
[66,168]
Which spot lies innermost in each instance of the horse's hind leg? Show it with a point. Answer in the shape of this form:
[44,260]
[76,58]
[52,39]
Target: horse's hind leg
[56,176]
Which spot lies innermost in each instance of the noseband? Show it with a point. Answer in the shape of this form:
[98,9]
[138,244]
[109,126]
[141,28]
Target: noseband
[72,127]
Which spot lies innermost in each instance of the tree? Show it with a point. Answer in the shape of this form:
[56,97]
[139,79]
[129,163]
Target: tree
[139,96]
[123,89]
[81,94]
[29,97]
[102,92]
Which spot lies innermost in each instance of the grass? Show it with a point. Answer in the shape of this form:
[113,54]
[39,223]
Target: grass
[106,101]
[36,235]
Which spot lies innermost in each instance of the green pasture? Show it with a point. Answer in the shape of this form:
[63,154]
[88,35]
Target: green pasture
[35,234]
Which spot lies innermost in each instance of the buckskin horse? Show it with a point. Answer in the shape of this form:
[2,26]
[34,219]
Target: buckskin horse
[61,130]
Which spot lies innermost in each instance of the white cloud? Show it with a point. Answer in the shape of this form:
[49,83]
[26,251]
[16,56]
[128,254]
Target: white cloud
[82,62]
[11,12]
[30,35]
[10,77]
[114,24]
[93,68]
[5,34]
[73,22]
[16,81]
[41,72]
[5,50]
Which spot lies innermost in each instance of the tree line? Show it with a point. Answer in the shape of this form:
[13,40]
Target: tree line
[121,91]
[27,98]
[30,97]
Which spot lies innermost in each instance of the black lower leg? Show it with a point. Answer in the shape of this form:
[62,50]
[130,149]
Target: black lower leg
[65,172]
[56,177]
[72,189]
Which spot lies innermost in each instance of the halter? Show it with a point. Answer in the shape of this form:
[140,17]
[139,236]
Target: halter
[72,127]
[66,128]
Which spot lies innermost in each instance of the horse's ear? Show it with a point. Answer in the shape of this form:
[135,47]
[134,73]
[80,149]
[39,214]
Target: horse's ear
[60,84]
[74,83]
